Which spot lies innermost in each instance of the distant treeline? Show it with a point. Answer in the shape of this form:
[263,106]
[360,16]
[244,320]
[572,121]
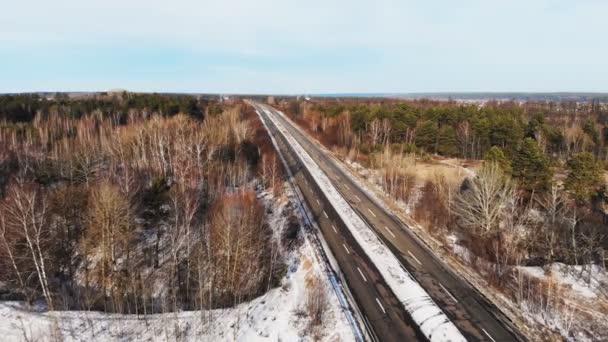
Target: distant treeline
[25,107]
[521,96]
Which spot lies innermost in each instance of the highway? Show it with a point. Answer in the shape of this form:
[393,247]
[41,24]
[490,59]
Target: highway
[474,316]
[383,314]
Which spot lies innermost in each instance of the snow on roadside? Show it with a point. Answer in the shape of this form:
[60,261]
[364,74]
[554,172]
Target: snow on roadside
[433,323]
[277,315]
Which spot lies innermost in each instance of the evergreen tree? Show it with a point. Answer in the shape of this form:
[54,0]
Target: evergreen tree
[359,119]
[426,136]
[448,143]
[591,130]
[481,134]
[535,125]
[584,177]
[496,155]
[555,138]
[531,167]
[506,131]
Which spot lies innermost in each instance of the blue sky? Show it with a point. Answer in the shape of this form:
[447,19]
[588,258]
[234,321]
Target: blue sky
[313,46]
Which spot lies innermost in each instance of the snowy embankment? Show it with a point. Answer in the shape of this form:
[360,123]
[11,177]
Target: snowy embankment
[322,251]
[433,323]
[278,315]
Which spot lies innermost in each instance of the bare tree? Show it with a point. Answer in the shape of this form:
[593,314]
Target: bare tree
[110,230]
[8,245]
[25,214]
[480,207]
[572,221]
[238,239]
[554,208]
[386,131]
[463,134]
[374,129]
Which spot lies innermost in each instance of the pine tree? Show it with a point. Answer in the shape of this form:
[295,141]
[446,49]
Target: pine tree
[584,177]
[448,143]
[426,136]
[535,125]
[591,130]
[531,167]
[496,155]
[506,131]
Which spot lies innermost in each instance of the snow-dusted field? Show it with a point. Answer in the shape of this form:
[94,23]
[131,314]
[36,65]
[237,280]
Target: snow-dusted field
[278,315]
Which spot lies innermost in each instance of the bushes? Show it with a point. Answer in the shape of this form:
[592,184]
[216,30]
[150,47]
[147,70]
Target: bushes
[317,305]
[431,209]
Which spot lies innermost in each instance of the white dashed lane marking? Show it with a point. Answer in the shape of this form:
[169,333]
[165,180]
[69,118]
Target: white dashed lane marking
[361,273]
[389,231]
[371,212]
[485,332]
[382,307]
[412,255]
[347,251]
[448,292]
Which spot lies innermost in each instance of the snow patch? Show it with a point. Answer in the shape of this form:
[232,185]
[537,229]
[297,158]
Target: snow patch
[586,281]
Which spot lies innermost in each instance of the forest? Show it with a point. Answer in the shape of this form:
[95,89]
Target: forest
[135,203]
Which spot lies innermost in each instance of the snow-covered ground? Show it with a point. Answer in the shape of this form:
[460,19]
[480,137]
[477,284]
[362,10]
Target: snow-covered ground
[278,315]
[590,281]
[576,301]
[430,318]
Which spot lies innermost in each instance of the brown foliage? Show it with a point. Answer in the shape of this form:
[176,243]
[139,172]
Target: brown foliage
[136,211]
[430,209]
[238,238]
[109,234]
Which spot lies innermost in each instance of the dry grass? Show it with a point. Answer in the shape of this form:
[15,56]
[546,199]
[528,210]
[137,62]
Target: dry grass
[316,306]
[453,170]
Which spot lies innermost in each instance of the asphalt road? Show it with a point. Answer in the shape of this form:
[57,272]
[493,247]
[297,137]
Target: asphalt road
[475,317]
[382,312]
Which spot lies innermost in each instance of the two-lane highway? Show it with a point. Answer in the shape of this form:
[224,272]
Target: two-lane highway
[477,319]
[382,313]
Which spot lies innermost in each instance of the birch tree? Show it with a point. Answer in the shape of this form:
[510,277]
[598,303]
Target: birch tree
[481,205]
[25,215]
